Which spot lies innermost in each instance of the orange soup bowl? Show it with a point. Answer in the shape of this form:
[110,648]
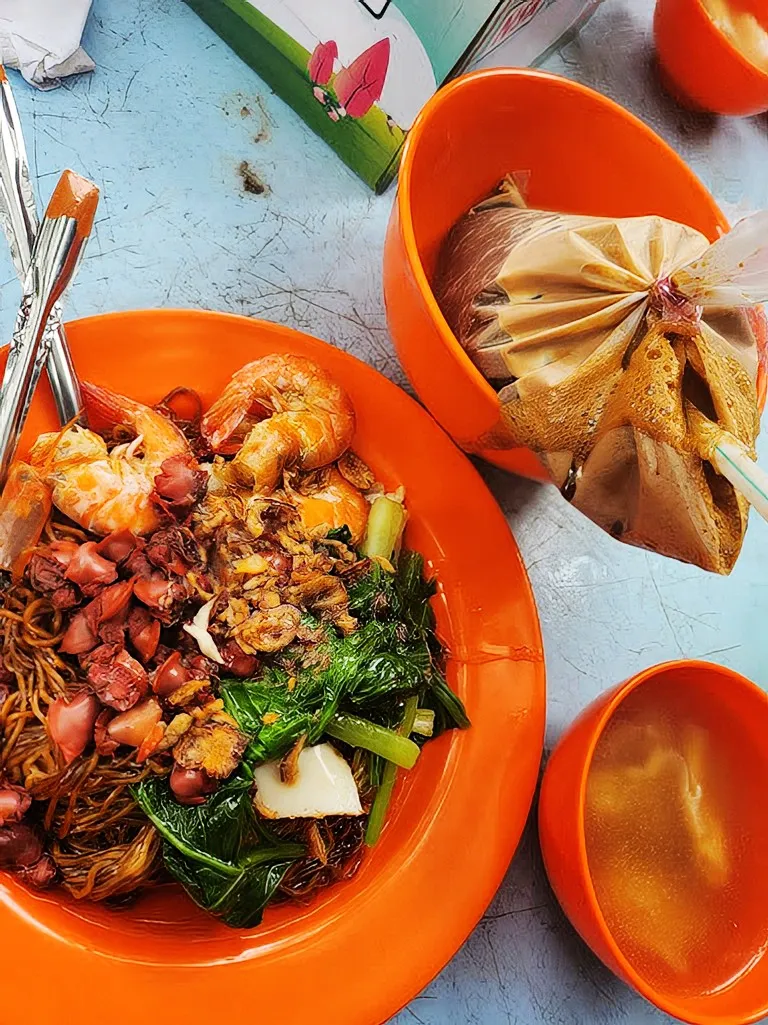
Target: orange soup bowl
[699,64]
[732,699]
[358,951]
[583,153]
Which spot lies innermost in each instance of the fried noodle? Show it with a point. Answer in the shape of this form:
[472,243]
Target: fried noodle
[104,846]
[101,842]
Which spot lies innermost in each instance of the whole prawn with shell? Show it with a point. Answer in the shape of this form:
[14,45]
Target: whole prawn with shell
[304,420]
[281,412]
[284,413]
[130,486]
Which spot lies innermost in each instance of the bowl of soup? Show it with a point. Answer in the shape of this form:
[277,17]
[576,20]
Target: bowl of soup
[713,54]
[655,838]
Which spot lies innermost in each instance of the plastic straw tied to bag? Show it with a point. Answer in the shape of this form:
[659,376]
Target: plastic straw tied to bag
[59,246]
[626,354]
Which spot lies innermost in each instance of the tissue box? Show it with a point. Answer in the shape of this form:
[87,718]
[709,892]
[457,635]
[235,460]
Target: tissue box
[359,72]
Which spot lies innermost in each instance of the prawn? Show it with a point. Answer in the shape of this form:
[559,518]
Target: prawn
[25,505]
[104,490]
[335,503]
[305,420]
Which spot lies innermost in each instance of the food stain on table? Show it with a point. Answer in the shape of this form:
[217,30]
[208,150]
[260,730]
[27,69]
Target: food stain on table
[252,180]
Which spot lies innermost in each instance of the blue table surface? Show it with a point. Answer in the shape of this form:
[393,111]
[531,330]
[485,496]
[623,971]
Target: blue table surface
[161,127]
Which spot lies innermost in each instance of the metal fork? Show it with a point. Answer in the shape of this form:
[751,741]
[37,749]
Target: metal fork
[18,214]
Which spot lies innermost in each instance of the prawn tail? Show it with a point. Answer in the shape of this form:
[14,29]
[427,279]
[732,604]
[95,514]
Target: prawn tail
[42,453]
[222,420]
[105,408]
[25,505]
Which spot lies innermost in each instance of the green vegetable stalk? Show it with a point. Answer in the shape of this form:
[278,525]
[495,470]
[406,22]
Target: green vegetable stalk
[386,523]
[394,747]
[383,796]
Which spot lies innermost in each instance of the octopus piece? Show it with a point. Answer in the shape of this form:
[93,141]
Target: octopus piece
[191,786]
[39,875]
[82,634]
[118,545]
[71,724]
[103,742]
[20,846]
[179,486]
[117,678]
[170,675]
[165,596]
[173,549]
[236,661]
[144,632]
[14,802]
[46,573]
[89,570]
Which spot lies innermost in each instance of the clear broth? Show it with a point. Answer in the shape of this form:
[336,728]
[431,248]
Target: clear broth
[742,28]
[677,838]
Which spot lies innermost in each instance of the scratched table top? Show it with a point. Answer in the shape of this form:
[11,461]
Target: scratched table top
[166,126]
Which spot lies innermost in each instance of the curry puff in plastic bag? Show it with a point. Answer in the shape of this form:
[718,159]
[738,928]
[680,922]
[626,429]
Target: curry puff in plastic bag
[624,351]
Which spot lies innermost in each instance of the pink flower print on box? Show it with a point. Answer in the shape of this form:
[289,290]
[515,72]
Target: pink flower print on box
[320,66]
[360,85]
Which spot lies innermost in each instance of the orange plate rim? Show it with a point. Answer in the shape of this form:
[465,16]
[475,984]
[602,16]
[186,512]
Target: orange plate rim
[366,950]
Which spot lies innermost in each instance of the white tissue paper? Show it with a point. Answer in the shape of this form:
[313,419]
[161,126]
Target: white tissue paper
[41,38]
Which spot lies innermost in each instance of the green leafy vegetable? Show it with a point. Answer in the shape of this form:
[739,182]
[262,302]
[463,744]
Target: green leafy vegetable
[394,654]
[209,833]
[448,707]
[405,598]
[228,863]
[238,900]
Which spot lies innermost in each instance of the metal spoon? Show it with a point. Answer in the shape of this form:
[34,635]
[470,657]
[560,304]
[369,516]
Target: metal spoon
[18,214]
[58,248]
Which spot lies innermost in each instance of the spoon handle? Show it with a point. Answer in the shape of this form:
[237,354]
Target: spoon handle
[18,214]
[58,249]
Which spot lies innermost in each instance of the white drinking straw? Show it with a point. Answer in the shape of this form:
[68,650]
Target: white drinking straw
[732,460]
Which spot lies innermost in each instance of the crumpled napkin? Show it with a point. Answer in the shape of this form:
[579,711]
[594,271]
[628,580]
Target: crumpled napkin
[41,38]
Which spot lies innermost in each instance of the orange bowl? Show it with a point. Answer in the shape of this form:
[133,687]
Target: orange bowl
[699,64]
[360,951]
[563,843]
[468,136]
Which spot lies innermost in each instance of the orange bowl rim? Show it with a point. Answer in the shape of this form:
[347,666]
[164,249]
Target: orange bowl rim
[733,50]
[445,95]
[664,1003]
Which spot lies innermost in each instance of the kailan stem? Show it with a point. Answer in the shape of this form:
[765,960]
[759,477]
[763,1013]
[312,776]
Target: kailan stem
[386,523]
[395,747]
[383,796]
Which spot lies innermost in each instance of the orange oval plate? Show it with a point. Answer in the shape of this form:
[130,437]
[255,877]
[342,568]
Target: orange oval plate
[362,949]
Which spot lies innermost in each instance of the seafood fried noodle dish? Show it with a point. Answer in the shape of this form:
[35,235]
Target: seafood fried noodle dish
[215,655]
